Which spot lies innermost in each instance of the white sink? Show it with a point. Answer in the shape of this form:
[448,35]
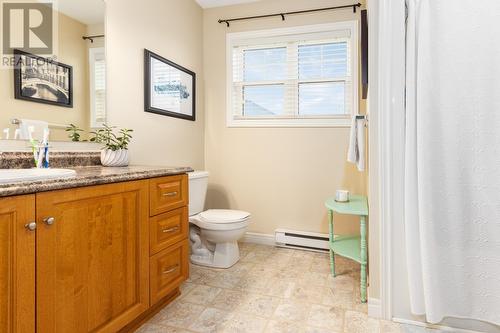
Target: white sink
[22,175]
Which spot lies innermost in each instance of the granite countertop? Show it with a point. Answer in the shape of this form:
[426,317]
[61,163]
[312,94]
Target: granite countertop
[90,175]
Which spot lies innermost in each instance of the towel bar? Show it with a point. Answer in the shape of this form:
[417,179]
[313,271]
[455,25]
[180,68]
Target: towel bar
[15,121]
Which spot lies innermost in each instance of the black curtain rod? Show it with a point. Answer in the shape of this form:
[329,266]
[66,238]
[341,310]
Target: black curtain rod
[282,15]
[91,38]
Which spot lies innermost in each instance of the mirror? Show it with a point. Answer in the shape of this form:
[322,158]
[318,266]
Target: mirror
[68,89]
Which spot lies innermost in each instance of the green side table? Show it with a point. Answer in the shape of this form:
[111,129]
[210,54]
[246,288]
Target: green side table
[351,247]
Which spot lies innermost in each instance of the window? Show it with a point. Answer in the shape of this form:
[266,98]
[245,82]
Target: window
[97,65]
[304,76]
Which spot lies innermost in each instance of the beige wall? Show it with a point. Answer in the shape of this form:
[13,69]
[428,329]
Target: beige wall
[281,175]
[173,29]
[72,51]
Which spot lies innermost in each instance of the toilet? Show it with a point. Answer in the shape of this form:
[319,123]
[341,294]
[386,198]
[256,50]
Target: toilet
[213,233]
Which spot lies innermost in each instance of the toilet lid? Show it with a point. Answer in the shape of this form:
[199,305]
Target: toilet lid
[223,215]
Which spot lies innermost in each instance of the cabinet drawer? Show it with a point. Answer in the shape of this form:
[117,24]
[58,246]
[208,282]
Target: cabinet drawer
[167,193]
[167,229]
[168,269]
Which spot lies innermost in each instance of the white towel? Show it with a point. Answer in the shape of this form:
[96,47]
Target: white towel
[38,128]
[356,152]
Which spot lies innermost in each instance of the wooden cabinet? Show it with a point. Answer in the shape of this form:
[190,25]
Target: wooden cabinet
[17,264]
[169,228]
[101,258]
[92,259]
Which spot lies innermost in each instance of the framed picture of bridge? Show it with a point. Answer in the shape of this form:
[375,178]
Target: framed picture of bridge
[169,89]
[42,80]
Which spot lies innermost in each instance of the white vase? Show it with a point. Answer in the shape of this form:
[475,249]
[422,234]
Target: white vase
[116,158]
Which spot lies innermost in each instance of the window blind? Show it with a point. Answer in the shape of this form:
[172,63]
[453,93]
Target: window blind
[293,76]
[100,91]
[97,65]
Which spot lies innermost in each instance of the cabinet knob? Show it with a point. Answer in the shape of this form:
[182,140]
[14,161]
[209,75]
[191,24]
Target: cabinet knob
[49,220]
[30,226]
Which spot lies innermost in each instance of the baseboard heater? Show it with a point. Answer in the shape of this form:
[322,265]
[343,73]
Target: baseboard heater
[305,240]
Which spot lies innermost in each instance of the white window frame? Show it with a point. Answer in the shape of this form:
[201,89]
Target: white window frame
[234,39]
[93,54]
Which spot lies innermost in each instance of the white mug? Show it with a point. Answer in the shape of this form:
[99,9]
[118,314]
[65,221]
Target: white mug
[342,196]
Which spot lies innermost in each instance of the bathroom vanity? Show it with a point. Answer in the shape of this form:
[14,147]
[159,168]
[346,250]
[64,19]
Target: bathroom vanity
[98,252]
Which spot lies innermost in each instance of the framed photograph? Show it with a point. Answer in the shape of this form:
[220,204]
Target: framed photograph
[42,80]
[169,89]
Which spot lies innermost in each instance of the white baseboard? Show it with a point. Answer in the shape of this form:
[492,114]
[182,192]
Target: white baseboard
[432,326]
[258,238]
[374,308]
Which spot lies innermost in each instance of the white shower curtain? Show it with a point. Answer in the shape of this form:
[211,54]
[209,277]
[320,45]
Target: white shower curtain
[452,159]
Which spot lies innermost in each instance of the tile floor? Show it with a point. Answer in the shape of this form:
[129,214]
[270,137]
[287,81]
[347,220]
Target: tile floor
[271,290]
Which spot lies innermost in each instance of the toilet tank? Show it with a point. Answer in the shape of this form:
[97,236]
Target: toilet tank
[198,182]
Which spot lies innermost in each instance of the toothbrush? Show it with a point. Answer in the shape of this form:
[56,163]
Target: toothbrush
[46,133]
[42,148]
[34,145]
[46,155]
[40,156]
[33,148]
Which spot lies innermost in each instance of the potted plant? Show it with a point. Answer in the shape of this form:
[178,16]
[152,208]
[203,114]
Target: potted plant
[115,150]
[74,134]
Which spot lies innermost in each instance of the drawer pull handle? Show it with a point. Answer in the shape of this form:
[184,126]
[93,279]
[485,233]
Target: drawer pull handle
[169,230]
[170,194]
[171,270]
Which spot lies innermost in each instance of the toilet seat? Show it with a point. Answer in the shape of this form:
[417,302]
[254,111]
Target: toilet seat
[221,219]
[223,215]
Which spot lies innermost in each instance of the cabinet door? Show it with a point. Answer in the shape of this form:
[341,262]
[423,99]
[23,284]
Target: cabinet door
[92,258]
[17,265]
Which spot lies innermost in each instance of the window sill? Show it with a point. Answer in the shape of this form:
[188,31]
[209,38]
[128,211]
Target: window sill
[297,122]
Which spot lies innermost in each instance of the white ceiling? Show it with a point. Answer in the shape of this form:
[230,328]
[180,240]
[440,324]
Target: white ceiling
[86,11]
[221,3]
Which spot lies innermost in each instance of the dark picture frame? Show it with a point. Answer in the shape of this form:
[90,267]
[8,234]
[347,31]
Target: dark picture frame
[364,53]
[33,74]
[159,90]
